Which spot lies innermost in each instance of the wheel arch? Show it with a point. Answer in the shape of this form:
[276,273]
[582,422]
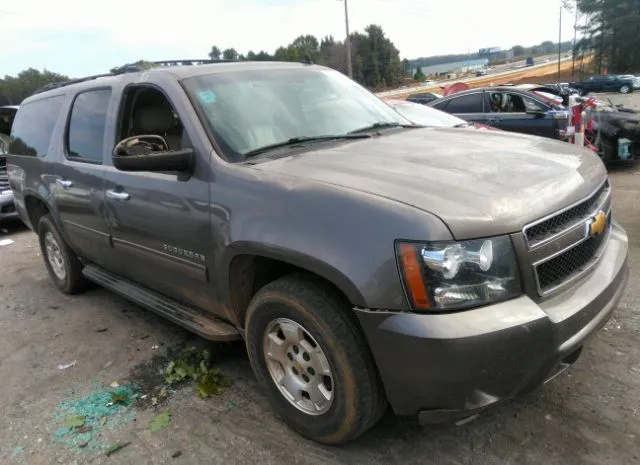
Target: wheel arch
[250,266]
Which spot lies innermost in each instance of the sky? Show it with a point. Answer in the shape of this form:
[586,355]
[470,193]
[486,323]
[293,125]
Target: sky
[80,37]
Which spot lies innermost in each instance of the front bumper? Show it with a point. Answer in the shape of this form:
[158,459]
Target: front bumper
[451,366]
[7,207]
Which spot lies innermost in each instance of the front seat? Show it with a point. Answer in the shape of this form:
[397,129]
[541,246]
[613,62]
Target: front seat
[159,120]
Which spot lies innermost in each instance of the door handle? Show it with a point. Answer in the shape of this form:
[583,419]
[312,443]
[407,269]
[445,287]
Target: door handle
[64,183]
[118,195]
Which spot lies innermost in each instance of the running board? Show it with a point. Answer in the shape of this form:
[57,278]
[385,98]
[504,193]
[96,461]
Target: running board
[196,321]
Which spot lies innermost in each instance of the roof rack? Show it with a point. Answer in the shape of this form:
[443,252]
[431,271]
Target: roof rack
[128,68]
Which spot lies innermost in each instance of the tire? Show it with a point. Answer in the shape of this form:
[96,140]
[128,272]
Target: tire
[62,263]
[322,318]
[625,89]
[582,92]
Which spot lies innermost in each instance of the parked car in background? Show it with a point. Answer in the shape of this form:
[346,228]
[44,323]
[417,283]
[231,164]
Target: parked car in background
[635,79]
[424,97]
[605,83]
[428,116]
[508,108]
[7,207]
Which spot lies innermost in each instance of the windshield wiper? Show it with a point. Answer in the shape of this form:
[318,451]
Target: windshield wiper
[302,139]
[385,125]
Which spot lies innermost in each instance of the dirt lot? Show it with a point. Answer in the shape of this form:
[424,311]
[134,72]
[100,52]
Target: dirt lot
[588,415]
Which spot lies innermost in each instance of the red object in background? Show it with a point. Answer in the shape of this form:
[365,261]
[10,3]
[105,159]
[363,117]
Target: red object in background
[453,88]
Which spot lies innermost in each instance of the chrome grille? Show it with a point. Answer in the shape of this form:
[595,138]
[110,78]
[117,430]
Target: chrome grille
[569,265]
[562,246]
[4,180]
[544,229]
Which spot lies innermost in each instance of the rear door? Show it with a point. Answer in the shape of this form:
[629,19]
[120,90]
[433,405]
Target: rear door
[79,180]
[469,107]
[515,112]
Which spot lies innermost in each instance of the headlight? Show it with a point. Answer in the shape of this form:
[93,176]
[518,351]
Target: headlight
[440,276]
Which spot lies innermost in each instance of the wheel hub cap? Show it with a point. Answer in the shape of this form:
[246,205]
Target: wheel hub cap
[54,256]
[298,366]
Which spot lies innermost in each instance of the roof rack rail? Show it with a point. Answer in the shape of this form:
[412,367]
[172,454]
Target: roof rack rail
[128,68]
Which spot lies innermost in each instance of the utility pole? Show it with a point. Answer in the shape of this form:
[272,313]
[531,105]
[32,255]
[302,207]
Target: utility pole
[559,40]
[573,51]
[347,42]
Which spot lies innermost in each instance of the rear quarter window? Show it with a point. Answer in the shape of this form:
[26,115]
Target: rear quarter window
[33,127]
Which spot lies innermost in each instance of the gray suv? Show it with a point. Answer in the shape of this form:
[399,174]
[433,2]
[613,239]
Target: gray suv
[364,260]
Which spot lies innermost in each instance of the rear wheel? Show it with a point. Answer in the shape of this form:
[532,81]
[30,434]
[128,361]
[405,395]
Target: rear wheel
[62,263]
[312,360]
[625,89]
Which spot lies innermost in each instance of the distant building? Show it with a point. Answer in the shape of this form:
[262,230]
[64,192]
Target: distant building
[455,67]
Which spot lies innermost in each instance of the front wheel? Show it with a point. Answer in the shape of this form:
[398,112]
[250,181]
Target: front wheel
[310,357]
[625,89]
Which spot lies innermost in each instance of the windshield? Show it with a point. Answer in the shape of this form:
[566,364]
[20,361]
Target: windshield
[250,109]
[427,116]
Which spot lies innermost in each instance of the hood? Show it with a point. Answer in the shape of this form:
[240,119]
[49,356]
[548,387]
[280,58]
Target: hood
[480,183]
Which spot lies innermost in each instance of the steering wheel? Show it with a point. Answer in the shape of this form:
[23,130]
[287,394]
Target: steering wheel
[137,145]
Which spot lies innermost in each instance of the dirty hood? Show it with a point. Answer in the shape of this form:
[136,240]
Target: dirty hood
[479,183]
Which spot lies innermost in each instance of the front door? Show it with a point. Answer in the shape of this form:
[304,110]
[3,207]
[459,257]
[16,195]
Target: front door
[159,221]
[511,111]
[79,177]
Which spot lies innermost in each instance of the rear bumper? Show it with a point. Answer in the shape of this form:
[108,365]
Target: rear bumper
[451,366]
[7,206]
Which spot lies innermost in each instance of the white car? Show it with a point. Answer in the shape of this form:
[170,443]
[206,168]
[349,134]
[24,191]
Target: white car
[636,80]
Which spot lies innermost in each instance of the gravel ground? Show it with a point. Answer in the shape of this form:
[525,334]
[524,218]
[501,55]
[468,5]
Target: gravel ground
[588,415]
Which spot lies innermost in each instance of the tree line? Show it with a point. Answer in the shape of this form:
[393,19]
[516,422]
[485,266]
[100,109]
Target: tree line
[612,30]
[375,59]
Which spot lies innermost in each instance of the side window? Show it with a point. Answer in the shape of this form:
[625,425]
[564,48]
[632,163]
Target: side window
[33,126]
[85,134]
[532,105]
[147,111]
[471,103]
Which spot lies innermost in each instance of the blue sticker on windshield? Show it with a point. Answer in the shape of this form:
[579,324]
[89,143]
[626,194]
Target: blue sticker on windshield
[207,96]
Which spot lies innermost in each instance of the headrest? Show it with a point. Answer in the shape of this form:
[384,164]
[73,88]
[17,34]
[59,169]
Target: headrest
[153,119]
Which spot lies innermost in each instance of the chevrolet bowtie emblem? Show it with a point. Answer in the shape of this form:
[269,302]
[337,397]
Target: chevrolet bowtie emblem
[597,224]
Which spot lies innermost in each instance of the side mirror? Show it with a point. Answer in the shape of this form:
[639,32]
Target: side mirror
[150,153]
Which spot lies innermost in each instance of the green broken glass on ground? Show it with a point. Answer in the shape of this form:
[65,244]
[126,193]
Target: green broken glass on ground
[83,419]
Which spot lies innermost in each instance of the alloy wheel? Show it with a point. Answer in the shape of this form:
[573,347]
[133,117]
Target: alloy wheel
[54,256]
[298,366]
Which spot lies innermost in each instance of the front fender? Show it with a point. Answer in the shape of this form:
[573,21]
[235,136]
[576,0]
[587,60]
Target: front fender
[295,258]
[343,235]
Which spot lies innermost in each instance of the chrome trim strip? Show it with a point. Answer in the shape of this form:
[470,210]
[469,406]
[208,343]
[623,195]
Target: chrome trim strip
[559,212]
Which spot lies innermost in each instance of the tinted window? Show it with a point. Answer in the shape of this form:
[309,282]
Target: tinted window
[85,135]
[471,103]
[33,126]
